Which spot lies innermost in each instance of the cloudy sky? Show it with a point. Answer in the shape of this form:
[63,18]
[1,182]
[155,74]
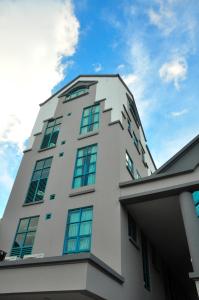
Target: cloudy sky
[154,45]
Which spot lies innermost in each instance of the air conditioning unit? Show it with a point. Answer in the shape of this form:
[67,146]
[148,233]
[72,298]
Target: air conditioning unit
[11,258]
[37,255]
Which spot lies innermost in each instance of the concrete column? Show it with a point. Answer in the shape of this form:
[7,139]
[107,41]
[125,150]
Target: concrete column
[191,224]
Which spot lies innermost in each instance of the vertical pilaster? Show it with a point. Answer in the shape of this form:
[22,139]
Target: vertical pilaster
[191,224]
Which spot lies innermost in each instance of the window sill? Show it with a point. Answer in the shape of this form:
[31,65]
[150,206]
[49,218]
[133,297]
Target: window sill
[75,98]
[33,203]
[134,243]
[82,191]
[44,149]
[88,135]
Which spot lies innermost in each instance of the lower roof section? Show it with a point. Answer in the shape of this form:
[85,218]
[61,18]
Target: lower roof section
[76,276]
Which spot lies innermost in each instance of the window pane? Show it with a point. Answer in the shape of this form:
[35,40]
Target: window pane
[95,126]
[33,223]
[29,239]
[36,175]
[48,162]
[84,129]
[79,162]
[71,245]
[74,216]
[87,214]
[77,182]
[96,118]
[45,142]
[85,121]
[31,191]
[92,168]
[93,158]
[48,132]
[94,149]
[39,164]
[80,153]
[19,240]
[78,171]
[86,112]
[73,230]
[84,244]
[23,225]
[85,228]
[96,108]
[91,178]
[45,173]
[41,189]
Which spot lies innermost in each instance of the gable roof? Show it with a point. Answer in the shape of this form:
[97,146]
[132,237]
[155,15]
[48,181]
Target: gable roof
[185,159]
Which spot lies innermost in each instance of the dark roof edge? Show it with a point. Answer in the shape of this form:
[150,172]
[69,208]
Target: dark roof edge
[177,155]
[70,82]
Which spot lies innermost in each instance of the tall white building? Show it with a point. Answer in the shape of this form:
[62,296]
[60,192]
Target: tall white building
[85,218]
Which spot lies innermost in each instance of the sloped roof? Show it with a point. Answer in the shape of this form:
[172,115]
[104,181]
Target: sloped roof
[186,159]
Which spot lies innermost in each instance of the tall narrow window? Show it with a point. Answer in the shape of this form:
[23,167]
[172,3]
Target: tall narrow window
[25,236]
[143,153]
[129,165]
[135,141]
[145,262]
[39,180]
[85,167]
[78,230]
[196,201]
[90,119]
[132,229]
[51,133]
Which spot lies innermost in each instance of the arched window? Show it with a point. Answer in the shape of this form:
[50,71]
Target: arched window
[77,92]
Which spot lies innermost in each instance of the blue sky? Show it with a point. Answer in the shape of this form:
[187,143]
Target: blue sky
[154,45]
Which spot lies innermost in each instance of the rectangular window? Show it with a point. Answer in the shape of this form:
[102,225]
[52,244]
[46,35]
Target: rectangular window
[90,119]
[39,180]
[25,236]
[130,127]
[85,166]
[142,153]
[137,175]
[135,141]
[129,165]
[132,229]
[51,133]
[133,111]
[78,230]
[145,262]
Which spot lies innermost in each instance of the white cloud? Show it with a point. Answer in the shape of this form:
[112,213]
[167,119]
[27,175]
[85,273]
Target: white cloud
[97,67]
[35,35]
[164,18]
[139,79]
[179,113]
[121,66]
[174,71]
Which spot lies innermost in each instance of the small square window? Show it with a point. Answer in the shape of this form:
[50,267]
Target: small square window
[69,114]
[63,142]
[48,216]
[52,196]
[61,154]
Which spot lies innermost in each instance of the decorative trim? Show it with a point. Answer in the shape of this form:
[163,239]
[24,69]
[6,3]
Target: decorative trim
[44,149]
[52,118]
[88,135]
[38,133]
[82,192]
[33,203]
[106,110]
[28,150]
[65,259]
[99,101]
[116,122]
